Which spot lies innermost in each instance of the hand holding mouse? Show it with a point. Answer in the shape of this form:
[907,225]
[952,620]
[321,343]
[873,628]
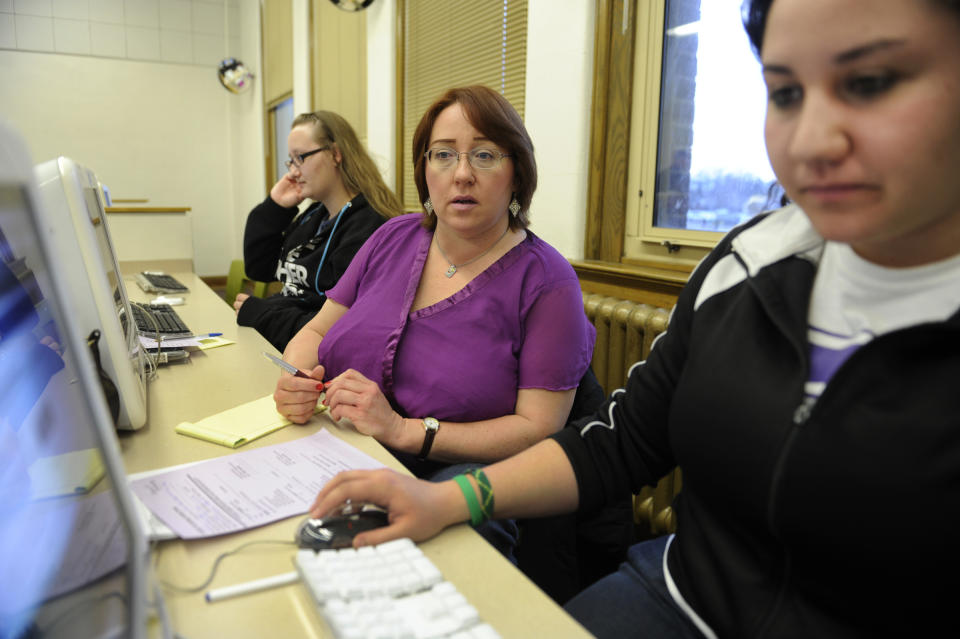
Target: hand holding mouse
[338,529]
[417,508]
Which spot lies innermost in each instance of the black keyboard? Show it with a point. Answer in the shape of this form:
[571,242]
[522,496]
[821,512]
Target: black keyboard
[157,282]
[164,319]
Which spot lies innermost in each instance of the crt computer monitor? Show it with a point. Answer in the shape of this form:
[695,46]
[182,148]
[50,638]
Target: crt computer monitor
[73,217]
[73,554]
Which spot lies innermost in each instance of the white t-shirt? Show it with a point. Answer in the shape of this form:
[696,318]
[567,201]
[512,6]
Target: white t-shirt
[854,300]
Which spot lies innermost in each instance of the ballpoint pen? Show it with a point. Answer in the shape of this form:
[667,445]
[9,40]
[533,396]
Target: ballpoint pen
[290,368]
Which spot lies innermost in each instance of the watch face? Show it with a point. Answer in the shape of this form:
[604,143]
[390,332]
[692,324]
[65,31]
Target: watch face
[431,423]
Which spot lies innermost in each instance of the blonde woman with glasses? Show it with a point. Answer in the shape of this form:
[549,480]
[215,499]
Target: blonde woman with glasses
[308,252]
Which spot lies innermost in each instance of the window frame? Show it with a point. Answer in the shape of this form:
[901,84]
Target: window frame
[270,160]
[622,183]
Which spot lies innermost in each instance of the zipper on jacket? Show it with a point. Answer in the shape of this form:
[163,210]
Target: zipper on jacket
[801,415]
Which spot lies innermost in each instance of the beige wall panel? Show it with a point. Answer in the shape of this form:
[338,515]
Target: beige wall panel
[277,49]
[340,63]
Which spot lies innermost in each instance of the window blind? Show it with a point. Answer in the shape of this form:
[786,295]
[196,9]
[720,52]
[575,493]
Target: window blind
[450,43]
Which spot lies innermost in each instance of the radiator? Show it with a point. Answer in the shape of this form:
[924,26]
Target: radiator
[625,332]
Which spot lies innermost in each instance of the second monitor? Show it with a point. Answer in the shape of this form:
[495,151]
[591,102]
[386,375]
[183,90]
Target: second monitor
[73,217]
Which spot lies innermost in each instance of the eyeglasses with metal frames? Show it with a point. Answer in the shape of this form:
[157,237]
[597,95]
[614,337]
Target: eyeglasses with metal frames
[483,159]
[297,160]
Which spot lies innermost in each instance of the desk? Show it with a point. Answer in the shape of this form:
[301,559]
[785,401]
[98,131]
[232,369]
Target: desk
[215,380]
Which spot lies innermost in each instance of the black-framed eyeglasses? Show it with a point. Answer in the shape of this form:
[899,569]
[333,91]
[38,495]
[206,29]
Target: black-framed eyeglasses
[297,160]
[442,157]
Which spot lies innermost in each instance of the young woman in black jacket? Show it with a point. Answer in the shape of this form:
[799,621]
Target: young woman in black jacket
[807,385]
[309,251]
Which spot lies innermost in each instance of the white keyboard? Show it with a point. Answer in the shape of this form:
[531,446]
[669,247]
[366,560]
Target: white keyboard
[388,591]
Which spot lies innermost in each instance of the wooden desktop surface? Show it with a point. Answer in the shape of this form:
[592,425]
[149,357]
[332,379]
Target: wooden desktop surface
[217,379]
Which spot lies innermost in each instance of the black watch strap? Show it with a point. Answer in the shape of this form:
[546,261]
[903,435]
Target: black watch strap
[430,428]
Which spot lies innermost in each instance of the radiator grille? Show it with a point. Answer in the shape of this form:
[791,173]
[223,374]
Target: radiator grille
[625,332]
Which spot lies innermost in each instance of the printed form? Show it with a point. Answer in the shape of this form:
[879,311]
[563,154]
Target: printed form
[244,490]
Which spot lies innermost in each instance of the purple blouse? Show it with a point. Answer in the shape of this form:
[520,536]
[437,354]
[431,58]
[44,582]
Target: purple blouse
[518,324]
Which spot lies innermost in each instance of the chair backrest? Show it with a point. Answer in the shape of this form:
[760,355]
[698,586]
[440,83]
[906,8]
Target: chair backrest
[236,278]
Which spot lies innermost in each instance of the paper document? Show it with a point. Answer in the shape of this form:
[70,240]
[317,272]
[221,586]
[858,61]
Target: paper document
[187,343]
[238,425]
[247,489]
[156,530]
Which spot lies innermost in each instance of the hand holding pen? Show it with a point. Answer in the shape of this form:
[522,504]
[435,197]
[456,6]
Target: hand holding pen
[297,394]
[290,368]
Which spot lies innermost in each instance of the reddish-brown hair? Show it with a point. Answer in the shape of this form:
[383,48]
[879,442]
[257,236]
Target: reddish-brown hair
[493,116]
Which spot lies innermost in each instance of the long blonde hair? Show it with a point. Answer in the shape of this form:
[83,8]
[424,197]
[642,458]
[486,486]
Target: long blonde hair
[357,169]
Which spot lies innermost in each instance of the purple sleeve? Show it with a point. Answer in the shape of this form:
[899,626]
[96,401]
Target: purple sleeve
[558,340]
[346,289]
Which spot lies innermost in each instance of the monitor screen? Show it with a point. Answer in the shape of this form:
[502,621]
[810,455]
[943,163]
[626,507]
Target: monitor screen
[72,552]
[72,214]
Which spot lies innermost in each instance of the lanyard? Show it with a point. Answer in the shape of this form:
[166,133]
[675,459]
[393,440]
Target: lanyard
[323,258]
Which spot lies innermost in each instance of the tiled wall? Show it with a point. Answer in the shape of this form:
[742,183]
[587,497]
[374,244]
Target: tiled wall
[198,32]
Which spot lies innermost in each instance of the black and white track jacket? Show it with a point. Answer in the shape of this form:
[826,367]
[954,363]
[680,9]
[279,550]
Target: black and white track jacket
[838,521]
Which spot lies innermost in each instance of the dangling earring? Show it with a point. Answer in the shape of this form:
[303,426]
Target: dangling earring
[428,206]
[514,207]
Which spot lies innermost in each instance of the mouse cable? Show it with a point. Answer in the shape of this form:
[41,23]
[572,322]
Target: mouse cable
[216,564]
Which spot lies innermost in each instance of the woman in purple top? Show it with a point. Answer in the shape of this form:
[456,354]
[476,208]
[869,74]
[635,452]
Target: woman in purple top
[457,336]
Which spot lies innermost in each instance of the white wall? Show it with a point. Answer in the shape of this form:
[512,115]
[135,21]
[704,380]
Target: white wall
[300,38]
[559,95]
[149,129]
[171,133]
[557,110]
[382,87]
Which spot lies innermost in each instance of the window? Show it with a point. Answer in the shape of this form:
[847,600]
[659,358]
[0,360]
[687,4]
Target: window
[280,118]
[698,165]
[448,43]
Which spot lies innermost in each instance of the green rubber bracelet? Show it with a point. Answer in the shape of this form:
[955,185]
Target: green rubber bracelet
[476,513]
[486,492]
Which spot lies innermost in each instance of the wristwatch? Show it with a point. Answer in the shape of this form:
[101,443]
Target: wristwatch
[430,428]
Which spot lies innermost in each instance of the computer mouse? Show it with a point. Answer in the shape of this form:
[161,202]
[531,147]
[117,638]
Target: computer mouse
[338,529]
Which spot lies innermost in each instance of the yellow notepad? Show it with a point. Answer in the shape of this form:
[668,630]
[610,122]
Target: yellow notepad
[239,425]
[213,342]
[71,473]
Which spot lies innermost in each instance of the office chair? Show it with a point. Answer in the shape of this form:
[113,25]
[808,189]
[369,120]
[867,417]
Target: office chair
[236,280]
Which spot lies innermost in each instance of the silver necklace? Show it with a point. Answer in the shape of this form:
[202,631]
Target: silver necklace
[453,267]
